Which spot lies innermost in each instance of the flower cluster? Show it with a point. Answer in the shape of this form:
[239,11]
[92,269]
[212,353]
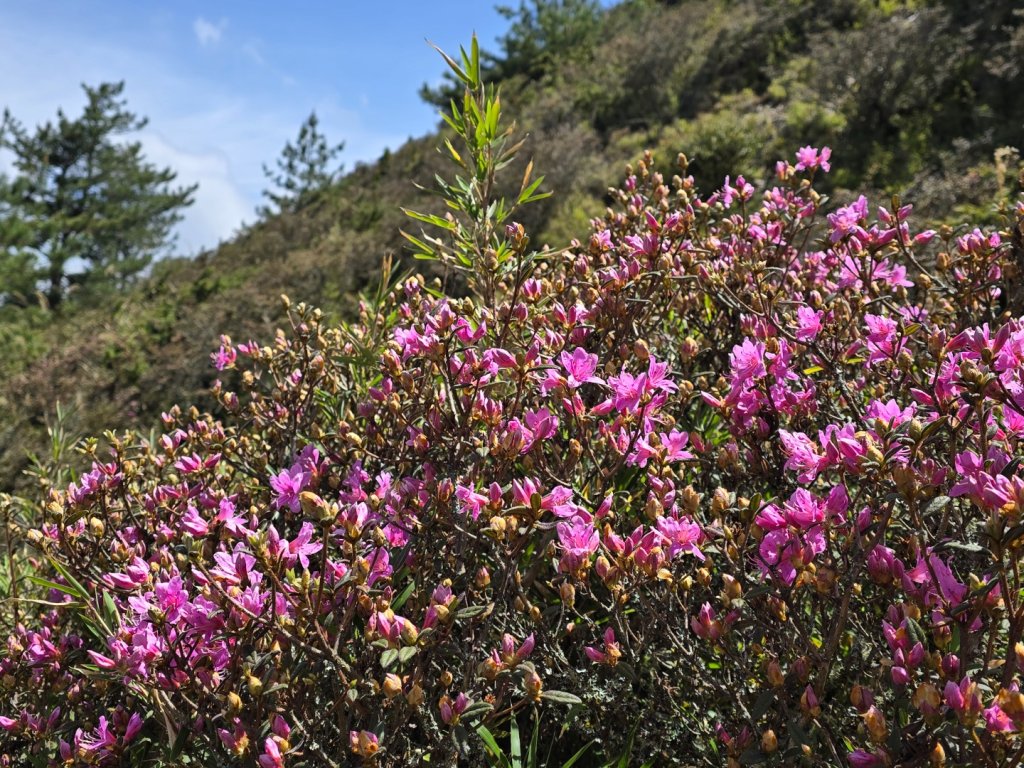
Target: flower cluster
[731,475]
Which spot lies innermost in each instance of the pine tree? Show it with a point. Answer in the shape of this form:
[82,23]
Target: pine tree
[304,170]
[84,207]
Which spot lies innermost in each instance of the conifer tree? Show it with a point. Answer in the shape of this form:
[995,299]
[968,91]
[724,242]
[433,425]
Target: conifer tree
[303,170]
[83,207]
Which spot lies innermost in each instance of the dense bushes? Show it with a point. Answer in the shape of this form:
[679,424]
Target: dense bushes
[727,481]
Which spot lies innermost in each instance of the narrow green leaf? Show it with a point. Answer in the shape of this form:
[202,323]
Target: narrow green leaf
[500,758]
[575,758]
[459,73]
[403,595]
[561,697]
[532,755]
[515,748]
[471,612]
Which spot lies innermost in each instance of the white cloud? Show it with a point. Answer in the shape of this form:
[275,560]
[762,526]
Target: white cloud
[211,129]
[208,33]
[219,209]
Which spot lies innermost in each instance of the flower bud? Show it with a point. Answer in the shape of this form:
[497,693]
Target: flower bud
[254,684]
[769,741]
[927,699]
[874,720]
[732,589]
[568,594]
[802,668]
[363,743]
[809,703]
[392,685]
[415,696]
[533,684]
[690,499]
[720,501]
[483,578]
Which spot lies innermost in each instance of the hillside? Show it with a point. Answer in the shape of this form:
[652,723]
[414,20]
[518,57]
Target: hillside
[917,98]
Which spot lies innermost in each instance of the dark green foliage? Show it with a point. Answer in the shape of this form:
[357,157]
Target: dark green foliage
[543,36]
[545,33]
[85,209]
[304,169]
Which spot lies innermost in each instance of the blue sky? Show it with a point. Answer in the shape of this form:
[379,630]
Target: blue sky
[225,85]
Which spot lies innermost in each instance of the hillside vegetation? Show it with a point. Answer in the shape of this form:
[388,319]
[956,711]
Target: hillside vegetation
[919,98]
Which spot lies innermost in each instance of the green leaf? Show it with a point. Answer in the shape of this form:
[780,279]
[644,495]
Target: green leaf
[52,585]
[407,653]
[531,753]
[515,748]
[459,72]
[495,751]
[388,658]
[73,584]
[476,709]
[425,251]
[936,505]
[573,760]
[472,611]
[561,697]
[403,596]
[113,615]
[428,218]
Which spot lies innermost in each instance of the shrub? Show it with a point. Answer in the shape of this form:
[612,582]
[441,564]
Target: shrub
[731,480]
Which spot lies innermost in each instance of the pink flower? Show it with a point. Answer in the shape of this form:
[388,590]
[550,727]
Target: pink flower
[802,455]
[288,484]
[510,655]
[847,220]
[996,720]
[451,710]
[808,158]
[682,535]
[609,654]
[860,758]
[542,424]
[580,367]
[808,323]
[882,341]
[964,699]
[298,549]
[705,625]
[794,535]
[747,361]
[883,565]
[890,412]
[580,541]
[472,502]
[271,757]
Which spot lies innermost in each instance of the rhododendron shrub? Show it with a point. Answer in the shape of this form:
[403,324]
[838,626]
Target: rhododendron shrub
[733,478]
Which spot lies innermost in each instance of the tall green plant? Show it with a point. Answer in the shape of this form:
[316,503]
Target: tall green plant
[477,235]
